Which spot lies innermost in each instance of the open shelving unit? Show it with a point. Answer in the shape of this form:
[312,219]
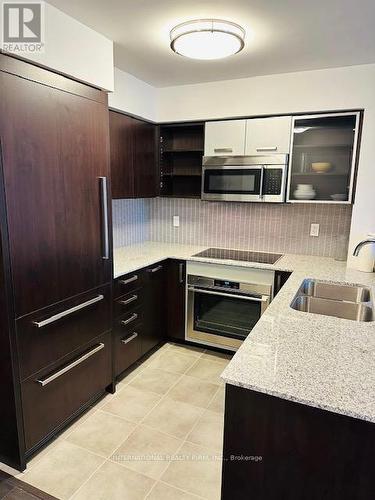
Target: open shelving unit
[181,153]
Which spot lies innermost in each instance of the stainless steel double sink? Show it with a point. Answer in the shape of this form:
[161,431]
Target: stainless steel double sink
[353,302]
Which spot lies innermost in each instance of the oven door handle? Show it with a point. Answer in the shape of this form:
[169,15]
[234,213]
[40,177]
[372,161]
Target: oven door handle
[264,298]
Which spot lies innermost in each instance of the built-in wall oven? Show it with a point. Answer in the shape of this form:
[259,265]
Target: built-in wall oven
[245,178]
[224,303]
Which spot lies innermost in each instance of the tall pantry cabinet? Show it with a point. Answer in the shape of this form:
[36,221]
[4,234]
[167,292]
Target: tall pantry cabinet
[56,265]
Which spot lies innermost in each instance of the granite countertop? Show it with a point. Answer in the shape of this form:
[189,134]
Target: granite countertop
[319,361]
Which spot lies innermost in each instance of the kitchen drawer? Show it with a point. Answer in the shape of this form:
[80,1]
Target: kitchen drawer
[47,335]
[50,397]
[128,283]
[128,302]
[129,319]
[127,342]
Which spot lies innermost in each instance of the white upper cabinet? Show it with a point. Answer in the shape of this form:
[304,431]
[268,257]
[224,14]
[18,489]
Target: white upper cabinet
[225,138]
[268,135]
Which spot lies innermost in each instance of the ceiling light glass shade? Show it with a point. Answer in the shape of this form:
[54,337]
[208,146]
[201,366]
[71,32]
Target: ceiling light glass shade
[207,39]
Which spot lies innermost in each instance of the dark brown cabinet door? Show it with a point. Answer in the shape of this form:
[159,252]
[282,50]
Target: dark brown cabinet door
[133,157]
[176,299]
[54,150]
[121,133]
[154,307]
[145,158]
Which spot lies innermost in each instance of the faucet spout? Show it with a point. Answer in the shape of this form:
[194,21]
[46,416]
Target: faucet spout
[361,244]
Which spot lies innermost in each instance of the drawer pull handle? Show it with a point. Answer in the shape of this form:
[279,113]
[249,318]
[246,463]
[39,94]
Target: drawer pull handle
[223,150]
[181,272]
[56,317]
[129,339]
[155,269]
[69,367]
[267,148]
[133,317]
[129,280]
[128,301]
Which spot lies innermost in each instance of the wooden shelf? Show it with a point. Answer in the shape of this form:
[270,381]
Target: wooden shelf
[315,174]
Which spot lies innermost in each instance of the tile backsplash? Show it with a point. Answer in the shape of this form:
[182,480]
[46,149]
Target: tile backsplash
[248,226]
[130,221]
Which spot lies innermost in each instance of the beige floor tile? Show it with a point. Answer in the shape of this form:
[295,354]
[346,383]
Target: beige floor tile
[173,417]
[193,391]
[150,358]
[199,473]
[219,357]
[147,451]
[206,369]
[163,491]
[188,349]
[173,361]
[101,433]
[132,404]
[218,402]
[129,375]
[115,482]
[63,470]
[208,431]
[158,381]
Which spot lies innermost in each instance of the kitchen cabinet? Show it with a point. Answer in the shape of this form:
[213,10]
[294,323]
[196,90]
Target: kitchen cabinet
[139,314]
[181,152]
[225,138]
[268,135]
[176,299]
[324,155]
[56,255]
[134,167]
[155,306]
[293,449]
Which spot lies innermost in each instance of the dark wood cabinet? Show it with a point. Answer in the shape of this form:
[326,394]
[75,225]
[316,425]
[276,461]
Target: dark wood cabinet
[155,306]
[176,299]
[56,267]
[276,449]
[139,314]
[134,169]
[181,147]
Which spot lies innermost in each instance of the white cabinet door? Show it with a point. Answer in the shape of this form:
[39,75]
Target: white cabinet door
[226,138]
[268,135]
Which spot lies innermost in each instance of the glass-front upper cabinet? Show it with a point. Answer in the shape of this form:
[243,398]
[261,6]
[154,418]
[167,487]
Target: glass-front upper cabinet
[323,158]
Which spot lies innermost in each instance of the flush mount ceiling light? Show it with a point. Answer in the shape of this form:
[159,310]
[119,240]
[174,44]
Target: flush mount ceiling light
[207,39]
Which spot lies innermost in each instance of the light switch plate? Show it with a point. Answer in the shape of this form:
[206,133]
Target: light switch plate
[176,221]
[314,230]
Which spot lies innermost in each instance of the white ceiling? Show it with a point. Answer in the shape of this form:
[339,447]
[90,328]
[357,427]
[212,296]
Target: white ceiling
[282,35]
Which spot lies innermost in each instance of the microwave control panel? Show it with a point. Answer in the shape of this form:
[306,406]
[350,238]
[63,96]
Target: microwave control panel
[272,183]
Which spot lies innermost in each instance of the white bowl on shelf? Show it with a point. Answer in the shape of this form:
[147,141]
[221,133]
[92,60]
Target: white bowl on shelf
[339,197]
[304,192]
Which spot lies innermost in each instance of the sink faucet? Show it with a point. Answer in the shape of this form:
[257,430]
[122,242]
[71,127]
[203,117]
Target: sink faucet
[362,244]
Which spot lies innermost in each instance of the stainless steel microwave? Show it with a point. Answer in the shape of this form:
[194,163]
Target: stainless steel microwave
[245,178]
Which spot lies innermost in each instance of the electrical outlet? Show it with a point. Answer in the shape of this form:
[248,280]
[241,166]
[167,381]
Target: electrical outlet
[314,230]
[176,221]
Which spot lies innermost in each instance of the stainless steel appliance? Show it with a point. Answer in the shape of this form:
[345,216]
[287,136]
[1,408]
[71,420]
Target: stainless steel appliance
[245,178]
[224,303]
[239,255]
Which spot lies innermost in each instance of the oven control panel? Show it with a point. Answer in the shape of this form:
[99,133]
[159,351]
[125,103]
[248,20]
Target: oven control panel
[232,285]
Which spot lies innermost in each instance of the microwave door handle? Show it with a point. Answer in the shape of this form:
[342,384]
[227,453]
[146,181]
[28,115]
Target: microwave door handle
[264,298]
[261,182]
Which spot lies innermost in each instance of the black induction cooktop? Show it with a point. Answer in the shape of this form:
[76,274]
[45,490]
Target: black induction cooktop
[241,255]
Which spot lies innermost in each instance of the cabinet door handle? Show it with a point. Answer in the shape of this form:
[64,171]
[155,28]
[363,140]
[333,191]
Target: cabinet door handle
[155,269]
[223,150]
[181,272]
[132,318]
[81,359]
[129,339]
[129,280]
[267,148]
[128,301]
[56,317]
[104,217]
